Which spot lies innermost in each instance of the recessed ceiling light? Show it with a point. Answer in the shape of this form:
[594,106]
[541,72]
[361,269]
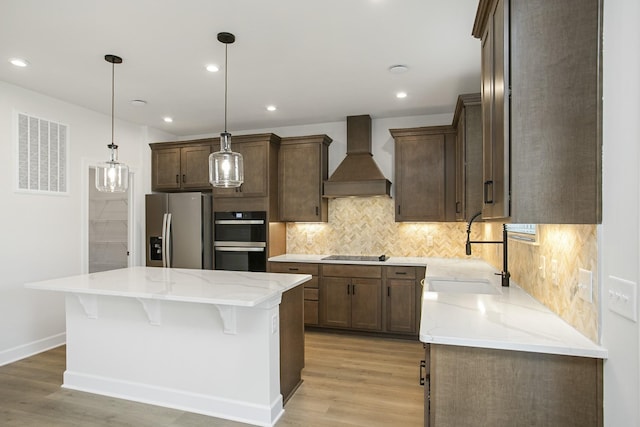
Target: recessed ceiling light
[212,68]
[138,102]
[401,95]
[271,108]
[398,69]
[168,119]
[19,62]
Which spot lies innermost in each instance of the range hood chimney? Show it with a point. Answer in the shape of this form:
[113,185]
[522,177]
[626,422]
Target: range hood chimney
[358,174]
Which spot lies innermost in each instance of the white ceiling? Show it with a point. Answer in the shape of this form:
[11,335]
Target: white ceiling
[317,60]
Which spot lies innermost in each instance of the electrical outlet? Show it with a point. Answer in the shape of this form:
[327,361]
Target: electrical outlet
[429,240]
[554,272]
[543,267]
[585,284]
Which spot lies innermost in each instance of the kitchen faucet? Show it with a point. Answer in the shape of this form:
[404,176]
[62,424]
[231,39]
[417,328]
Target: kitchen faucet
[505,265]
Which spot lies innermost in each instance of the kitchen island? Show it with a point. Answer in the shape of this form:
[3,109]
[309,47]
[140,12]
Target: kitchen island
[499,357]
[205,341]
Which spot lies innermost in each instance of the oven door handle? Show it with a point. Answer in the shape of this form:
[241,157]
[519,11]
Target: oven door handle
[239,221]
[227,244]
[239,249]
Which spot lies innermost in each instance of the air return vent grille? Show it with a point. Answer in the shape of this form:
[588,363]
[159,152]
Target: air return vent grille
[42,155]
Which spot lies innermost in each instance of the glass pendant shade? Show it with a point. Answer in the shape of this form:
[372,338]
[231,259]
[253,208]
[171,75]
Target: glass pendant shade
[112,176]
[226,168]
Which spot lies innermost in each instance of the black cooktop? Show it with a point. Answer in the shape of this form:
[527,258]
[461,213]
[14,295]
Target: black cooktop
[356,258]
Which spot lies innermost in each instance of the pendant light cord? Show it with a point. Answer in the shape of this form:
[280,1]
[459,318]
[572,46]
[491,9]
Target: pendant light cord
[113,97]
[226,63]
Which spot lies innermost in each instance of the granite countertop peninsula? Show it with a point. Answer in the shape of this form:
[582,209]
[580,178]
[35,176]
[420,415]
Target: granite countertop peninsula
[511,319]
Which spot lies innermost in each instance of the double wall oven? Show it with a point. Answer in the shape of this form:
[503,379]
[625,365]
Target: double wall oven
[240,241]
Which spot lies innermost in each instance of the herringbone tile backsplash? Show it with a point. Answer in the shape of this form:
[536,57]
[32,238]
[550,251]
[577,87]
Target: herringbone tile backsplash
[366,226]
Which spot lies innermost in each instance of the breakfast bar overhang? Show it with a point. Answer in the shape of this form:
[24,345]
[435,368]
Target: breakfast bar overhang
[205,341]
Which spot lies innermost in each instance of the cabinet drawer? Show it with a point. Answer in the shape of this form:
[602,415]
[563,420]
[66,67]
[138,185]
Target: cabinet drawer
[294,267]
[310,294]
[350,270]
[313,283]
[400,272]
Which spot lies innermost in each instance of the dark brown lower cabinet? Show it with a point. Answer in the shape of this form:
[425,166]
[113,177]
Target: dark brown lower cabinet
[403,299]
[311,294]
[470,386]
[351,297]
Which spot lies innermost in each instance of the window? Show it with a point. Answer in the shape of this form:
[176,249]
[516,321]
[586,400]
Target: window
[526,232]
[42,155]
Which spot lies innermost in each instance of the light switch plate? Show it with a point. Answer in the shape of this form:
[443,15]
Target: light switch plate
[623,297]
[585,284]
[543,267]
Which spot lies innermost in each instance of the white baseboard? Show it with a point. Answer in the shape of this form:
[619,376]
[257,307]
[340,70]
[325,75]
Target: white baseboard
[245,412]
[26,350]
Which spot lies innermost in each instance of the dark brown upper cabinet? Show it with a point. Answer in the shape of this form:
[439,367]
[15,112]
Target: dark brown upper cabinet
[180,166]
[467,120]
[259,191]
[425,173]
[303,167]
[542,110]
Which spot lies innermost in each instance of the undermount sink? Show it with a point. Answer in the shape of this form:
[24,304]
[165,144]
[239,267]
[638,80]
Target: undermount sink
[462,286]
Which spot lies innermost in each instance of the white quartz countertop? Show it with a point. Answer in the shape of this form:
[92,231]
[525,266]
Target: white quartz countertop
[235,288]
[403,261]
[509,320]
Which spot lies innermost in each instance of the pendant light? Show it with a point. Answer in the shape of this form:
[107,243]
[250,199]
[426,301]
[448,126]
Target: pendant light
[112,176]
[226,167]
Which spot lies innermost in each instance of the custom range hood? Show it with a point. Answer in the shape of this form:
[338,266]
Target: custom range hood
[358,174]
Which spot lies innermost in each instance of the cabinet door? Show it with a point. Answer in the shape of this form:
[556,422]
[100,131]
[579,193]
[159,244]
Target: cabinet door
[495,111]
[420,172]
[401,306]
[300,182]
[336,302]
[195,167]
[165,169]
[255,160]
[366,304]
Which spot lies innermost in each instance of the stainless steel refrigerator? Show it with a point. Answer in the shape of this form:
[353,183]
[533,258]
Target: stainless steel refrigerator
[179,230]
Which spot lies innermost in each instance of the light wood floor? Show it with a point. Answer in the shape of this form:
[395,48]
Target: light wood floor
[348,381]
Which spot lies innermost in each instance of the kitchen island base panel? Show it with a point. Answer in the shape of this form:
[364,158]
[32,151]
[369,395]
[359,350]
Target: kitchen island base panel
[186,361]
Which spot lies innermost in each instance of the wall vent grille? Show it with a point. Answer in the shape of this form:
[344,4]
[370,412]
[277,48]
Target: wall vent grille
[42,155]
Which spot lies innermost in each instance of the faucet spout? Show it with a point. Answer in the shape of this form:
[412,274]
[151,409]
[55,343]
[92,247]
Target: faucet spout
[505,264]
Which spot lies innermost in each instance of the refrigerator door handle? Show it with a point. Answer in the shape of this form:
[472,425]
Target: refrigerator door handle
[168,244]
[164,241]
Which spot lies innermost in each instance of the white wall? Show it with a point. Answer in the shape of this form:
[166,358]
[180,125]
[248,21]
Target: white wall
[620,230]
[42,235]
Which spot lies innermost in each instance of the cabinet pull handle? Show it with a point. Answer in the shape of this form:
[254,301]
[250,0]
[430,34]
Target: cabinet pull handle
[458,207]
[423,375]
[293,268]
[177,179]
[398,209]
[388,291]
[317,211]
[402,273]
[184,178]
[353,289]
[488,190]
[348,289]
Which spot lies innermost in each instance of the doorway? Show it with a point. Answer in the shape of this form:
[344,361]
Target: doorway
[108,228]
